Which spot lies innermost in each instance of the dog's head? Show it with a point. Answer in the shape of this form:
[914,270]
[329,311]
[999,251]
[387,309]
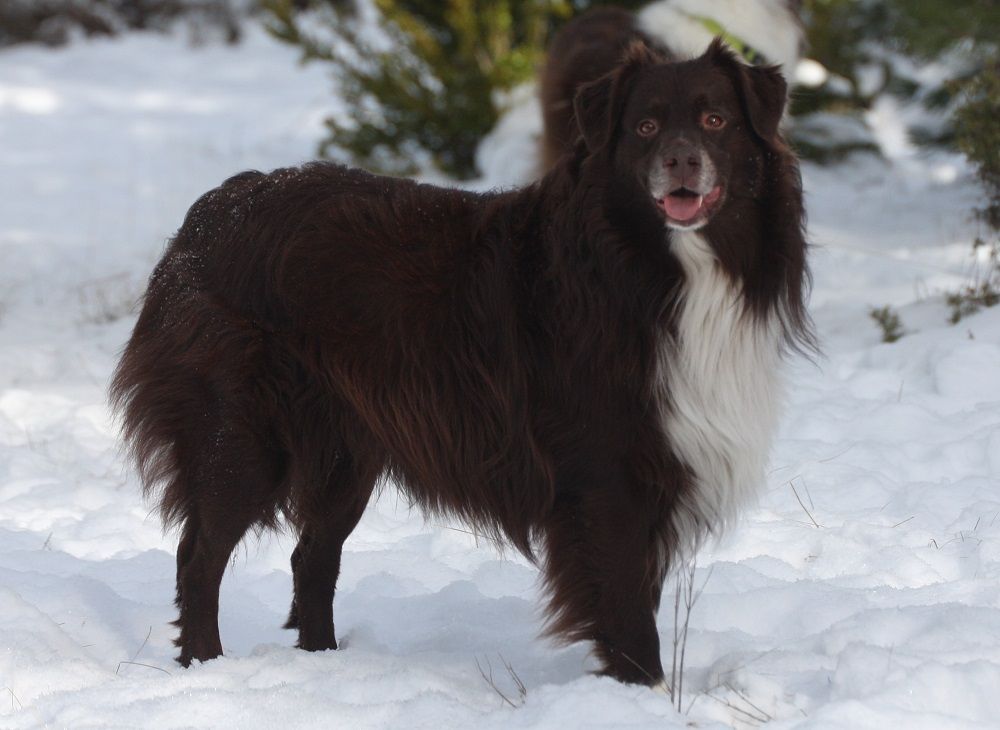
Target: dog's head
[693,135]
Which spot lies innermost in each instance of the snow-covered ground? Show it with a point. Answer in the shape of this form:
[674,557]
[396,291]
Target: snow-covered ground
[864,592]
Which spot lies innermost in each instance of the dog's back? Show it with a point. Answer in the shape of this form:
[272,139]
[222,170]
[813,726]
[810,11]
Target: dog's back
[287,308]
[584,49]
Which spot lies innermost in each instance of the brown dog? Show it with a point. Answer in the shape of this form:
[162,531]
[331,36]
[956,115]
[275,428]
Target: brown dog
[587,366]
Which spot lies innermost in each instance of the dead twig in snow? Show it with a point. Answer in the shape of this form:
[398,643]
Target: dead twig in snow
[802,504]
[140,664]
[754,716]
[136,656]
[522,690]
[835,456]
[14,698]
[742,695]
[685,596]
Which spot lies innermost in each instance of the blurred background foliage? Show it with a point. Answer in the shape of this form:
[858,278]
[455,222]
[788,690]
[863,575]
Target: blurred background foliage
[939,57]
[55,22]
[925,52]
[431,81]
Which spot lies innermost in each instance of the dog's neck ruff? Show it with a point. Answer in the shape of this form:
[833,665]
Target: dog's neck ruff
[719,394]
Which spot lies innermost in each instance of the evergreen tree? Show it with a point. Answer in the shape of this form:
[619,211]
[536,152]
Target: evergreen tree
[978,136]
[430,86]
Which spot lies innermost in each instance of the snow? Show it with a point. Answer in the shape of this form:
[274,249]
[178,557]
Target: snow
[863,592]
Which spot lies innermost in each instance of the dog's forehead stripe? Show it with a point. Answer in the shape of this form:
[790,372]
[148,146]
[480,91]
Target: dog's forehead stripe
[664,87]
[677,79]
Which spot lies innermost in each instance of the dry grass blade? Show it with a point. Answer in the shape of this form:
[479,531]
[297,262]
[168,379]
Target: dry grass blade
[686,591]
[742,695]
[140,664]
[751,714]
[836,456]
[638,666]
[690,597]
[522,690]
[748,717]
[14,698]
[138,652]
[677,622]
[803,505]
[492,683]
[497,544]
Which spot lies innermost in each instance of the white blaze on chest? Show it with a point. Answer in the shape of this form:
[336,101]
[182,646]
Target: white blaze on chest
[720,393]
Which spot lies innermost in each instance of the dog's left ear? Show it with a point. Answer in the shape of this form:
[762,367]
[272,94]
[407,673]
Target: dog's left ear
[765,92]
[763,89]
[598,104]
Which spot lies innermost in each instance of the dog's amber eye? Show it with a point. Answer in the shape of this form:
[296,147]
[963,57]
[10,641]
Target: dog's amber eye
[647,128]
[712,121]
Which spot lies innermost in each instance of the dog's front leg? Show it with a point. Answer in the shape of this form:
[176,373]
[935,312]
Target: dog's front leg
[603,570]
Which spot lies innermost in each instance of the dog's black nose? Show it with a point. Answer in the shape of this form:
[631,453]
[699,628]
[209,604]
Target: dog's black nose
[684,164]
[687,156]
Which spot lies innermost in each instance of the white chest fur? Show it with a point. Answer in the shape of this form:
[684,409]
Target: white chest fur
[720,394]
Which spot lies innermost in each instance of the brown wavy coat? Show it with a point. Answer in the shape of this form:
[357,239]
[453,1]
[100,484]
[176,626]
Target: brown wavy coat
[314,330]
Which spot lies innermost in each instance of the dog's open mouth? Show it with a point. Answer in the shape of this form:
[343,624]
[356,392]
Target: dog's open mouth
[687,206]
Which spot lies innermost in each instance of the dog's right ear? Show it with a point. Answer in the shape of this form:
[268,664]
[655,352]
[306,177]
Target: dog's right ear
[763,89]
[598,104]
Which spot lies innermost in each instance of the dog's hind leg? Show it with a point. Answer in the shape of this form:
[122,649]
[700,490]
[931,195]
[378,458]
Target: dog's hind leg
[603,575]
[224,485]
[325,520]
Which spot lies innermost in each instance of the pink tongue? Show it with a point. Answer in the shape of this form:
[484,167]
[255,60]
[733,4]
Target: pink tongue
[682,208]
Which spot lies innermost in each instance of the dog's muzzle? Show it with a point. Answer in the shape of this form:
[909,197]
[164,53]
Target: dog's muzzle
[683,181]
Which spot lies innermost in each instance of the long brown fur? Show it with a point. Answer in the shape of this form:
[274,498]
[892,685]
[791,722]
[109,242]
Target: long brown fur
[315,330]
